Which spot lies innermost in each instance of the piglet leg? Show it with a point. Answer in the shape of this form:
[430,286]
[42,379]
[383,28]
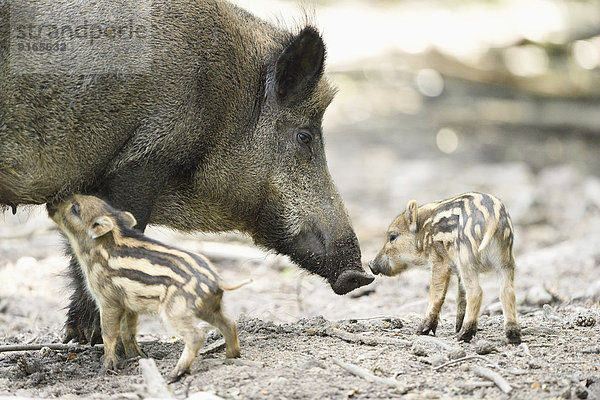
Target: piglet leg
[440,277]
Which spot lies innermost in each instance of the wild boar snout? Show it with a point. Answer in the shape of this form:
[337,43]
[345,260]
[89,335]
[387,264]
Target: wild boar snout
[330,251]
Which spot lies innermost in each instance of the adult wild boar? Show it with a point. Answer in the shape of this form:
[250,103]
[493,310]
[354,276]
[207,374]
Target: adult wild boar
[219,129]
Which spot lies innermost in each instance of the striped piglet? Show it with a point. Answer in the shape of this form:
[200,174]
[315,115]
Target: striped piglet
[128,273]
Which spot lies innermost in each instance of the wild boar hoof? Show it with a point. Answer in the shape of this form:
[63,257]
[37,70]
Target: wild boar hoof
[428,325]
[91,335]
[513,334]
[94,335]
[72,333]
[350,280]
[467,333]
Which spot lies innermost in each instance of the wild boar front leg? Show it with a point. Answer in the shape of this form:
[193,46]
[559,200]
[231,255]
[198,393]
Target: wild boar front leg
[440,277]
[83,318]
[110,319]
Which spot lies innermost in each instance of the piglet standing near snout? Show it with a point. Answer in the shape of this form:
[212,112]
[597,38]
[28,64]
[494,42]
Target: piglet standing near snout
[128,273]
[464,235]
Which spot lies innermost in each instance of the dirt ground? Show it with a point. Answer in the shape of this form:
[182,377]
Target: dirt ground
[383,142]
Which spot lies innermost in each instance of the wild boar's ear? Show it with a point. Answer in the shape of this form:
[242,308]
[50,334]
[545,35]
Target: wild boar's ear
[128,219]
[299,66]
[412,215]
[100,226]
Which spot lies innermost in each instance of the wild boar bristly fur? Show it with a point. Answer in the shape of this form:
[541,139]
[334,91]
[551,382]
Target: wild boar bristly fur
[127,273]
[221,130]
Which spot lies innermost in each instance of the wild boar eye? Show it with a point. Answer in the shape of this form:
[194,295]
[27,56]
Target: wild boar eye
[392,236]
[304,138]
[75,209]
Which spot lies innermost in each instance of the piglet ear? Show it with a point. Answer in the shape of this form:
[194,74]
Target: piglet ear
[412,215]
[128,219]
[100,226]
[299,66]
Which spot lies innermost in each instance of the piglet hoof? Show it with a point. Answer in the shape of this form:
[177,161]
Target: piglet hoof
[513,333]
[467,332]
[428,325]
[350,280]
[459,323]
[232,353]
[176,376]
[111,366]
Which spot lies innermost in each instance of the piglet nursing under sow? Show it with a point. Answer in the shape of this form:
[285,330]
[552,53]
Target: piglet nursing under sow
[464,235]
[128,273]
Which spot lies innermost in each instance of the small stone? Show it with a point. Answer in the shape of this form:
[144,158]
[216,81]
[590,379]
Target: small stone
[418,350]
[45,351]
[566,394]
[456,353]
[585,321]
[580,392]
[483,347]
[396,323]
[537,296]
[533,365]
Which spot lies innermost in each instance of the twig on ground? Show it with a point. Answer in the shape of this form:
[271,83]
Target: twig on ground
[211,348]
[33,347]
[459,360]
[216,346]
[369,377]
[369,340]
[368,318]
[232,361]
[155,383]
[492,376]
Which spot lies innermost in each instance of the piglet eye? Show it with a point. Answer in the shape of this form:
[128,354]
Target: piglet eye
[392,236]
[304,138]
[75,209]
